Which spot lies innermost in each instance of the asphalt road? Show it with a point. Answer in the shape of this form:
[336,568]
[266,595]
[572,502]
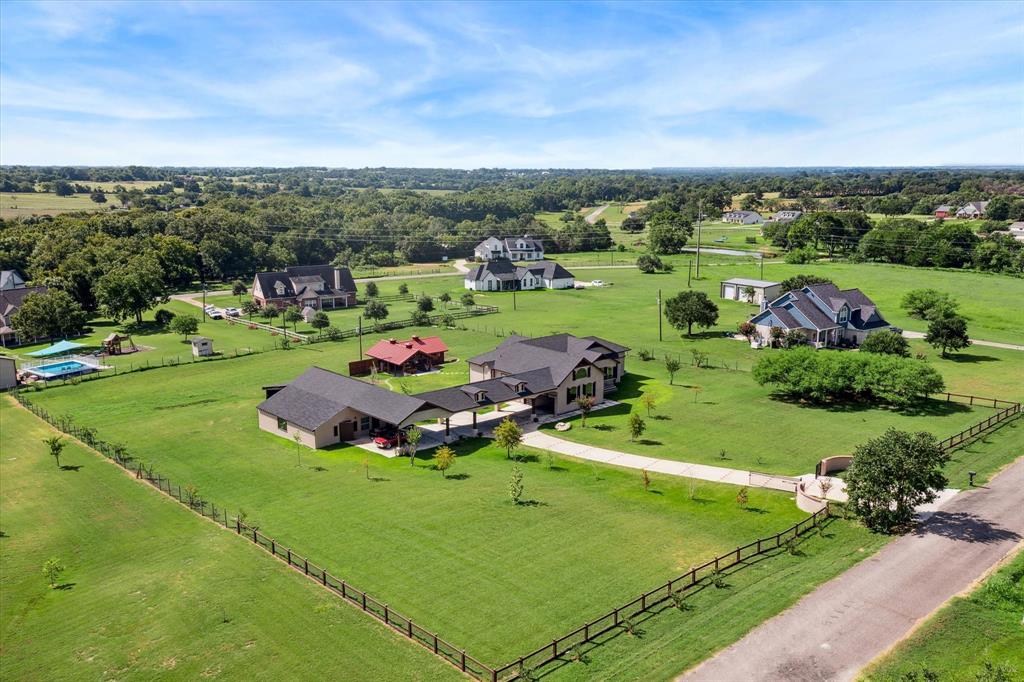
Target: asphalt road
[835,631]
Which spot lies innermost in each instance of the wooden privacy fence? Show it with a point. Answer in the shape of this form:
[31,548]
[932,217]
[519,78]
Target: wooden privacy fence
[1006,410]
[616,617]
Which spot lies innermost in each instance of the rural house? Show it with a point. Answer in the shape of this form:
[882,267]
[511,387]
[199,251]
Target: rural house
[827,316]
[12,294]
[973,210]
[743,217]
[1017,230]
[549,374]
[749,290]
[943,211]
[418,354]
[786,216]
[503,275]
[512,248]
[316,286]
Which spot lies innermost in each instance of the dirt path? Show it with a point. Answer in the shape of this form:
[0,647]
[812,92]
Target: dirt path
[976,342]
[595,214]
[839,628]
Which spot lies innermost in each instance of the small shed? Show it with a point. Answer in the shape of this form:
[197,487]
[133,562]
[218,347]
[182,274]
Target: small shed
[8,372]
[757,291]
[201,346]
[308,313]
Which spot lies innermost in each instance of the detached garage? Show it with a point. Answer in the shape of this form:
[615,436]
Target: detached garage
[755,291]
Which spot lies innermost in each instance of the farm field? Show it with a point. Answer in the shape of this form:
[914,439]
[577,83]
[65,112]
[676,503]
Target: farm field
[970,631]
[152,591]
[23,204]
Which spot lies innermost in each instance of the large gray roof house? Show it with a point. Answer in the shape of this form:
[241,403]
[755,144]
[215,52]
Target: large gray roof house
[824,313]
[503,275]
[315,286]
[509,248]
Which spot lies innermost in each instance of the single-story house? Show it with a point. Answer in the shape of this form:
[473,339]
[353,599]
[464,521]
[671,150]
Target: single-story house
[1017,230]
[750,290]
[324,408]
[943,211]
[786,216]
[314,286]
[511,248]
[973,210]
[503,275]
[418,354]
[13,292]
[825,314]
[743,217]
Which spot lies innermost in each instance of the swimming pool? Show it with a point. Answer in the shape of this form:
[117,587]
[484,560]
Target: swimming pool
[58,370]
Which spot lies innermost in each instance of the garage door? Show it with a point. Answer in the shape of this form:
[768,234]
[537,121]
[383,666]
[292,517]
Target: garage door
[730,292]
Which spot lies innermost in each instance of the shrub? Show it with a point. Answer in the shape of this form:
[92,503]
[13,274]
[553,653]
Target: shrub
[928,304]
[886,343]
[163,317]
[645,355]
[805,254]
[370,290]
[648,263]
[420,318]
[801,281]
[822,376]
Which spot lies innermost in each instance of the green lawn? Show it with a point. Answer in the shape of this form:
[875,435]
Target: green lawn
[22,204]
[956,643]
[151,591]
[409,536]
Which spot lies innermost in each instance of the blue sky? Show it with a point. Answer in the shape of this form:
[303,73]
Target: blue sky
[606,85]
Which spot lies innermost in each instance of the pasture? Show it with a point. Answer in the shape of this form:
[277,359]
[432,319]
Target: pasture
[152,591]
[24,204]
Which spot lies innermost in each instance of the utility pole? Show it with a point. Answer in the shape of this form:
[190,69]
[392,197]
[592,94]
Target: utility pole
[360,335]
[204,301]
[762,265]
[689,271]
[700,216]
[659,316]
[514,300]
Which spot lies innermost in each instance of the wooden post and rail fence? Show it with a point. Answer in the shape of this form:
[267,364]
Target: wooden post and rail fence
[447,651]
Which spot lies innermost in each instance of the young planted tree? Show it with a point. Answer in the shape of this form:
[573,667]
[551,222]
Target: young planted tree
[646,478]
[742,497]
[515,485]
[776,334]
[297,437]
[403,288]
[420,318]
[748,294]
[371,290]
[412,441]
[672,365]
[444,459]
[637,426]
[271,313]
[467,300]
[508,435]
[585,403]
[747,329]
[375,310]
[192,494]
[689,308]
[293,314]
[250,308]
[320,322]
[52,570]
[239,289]
[184,325]
[648,400]
[892,474]
[55,444]
[424,303]
[948,333]
[445,298]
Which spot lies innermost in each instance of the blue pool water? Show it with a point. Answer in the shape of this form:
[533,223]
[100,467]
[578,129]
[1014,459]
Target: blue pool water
[61,369]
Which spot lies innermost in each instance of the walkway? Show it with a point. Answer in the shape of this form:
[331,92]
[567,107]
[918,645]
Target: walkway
[835,631]
[976,342]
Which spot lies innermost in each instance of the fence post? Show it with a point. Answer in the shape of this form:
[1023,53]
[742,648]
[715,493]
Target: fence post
[364,601]
[305,566]
[324,577]
[463,660]
[386,615]
[289,556]
[238,523]
[254,537]
[435,643]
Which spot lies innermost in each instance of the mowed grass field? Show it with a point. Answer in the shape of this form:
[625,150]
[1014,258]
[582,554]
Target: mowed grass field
[590,537]
[151,591]
[23,204]
[970,631]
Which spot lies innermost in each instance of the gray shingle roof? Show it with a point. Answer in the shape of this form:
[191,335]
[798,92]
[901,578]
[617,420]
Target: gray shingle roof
[317,395]
[505,270]
[557,354]
[297,277]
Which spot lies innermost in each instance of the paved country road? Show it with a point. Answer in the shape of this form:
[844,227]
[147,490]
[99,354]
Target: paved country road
[833,632]
[976,342]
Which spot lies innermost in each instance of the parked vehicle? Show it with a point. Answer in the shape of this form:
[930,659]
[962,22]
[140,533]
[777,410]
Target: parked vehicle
[391,439]
[232,312]
[597,283]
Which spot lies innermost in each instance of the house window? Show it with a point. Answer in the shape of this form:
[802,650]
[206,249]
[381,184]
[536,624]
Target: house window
[364,423]
[279,288]
[282,424]
[581,373]
[609,372]
[335,430]
[844,314]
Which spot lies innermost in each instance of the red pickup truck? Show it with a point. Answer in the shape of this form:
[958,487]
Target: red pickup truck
[386,441]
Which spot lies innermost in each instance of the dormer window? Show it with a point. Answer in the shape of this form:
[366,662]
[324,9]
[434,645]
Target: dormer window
[279,288]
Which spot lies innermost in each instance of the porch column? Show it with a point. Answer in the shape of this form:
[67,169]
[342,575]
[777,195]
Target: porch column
[447,426]
[474,420]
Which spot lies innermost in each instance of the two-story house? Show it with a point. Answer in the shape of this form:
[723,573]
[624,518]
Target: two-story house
[825,314]
[504,275]
[316,286]
[13,291]
[523,248]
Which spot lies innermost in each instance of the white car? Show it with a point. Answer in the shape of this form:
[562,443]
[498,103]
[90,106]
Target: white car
[597,283]
[232,312]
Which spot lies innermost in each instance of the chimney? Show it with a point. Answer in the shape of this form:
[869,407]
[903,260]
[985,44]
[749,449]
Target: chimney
[337,279]
[392,340]
[408,344]
[415,338]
